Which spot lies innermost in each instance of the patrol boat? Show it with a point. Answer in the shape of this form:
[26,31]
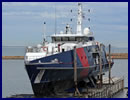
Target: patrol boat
[50,66]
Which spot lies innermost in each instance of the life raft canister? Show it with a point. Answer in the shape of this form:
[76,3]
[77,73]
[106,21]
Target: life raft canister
[45,48]
[97,43]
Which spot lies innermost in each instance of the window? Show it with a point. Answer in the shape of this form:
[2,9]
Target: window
[71,38]
[63,50]
[78,39]
[91,38]
[53,39]
[65,39]
[85,39]
[58,38]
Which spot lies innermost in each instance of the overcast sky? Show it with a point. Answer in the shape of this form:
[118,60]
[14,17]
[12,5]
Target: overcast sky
[22,23]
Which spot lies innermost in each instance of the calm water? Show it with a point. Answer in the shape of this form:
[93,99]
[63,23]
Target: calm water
[120,69]
[15,79]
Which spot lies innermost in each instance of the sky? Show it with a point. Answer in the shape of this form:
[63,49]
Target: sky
[23,22]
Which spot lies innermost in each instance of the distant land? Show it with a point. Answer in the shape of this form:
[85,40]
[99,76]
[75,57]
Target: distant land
[117,49]
[113,56]
[20,50]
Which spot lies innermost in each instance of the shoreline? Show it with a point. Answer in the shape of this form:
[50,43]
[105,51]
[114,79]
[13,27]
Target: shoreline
[113,56]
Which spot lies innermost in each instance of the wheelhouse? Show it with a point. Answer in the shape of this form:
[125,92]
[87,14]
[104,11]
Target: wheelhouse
[72,39]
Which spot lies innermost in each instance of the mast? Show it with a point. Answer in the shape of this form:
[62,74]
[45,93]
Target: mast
[44,33]
[55,20]
[79,19]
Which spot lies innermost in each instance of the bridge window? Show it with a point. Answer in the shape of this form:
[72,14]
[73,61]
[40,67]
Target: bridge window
[58,38]
[78,38]
[65,38]
[91,38]
[71,38]
[86,39]
[53,39]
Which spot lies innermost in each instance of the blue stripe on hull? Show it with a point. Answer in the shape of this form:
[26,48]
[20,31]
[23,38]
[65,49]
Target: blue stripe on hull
[60,74]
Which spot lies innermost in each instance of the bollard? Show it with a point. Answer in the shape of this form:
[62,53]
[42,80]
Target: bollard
[75,74]
[109,63]
[100,66]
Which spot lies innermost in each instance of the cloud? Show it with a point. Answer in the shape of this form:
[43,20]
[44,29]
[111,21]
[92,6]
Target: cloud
[108,19]
[111,27]
[28,9]
[62,9]
[25,4]
[106,4]
[59,5]
[36,14]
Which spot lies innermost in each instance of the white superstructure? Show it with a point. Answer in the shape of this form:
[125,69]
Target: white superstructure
[79,20]
[63,41]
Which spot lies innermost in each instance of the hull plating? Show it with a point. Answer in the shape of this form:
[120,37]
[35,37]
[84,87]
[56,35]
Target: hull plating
[47,75]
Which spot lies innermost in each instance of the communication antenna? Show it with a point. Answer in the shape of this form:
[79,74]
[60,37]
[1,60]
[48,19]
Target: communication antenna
[55,23]
[79,19]
[55,20]
[44,32]
[89,10]
[71,20]
[89,18]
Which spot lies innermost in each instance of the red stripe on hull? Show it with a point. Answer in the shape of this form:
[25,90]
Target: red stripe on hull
[82,56]
[84,61]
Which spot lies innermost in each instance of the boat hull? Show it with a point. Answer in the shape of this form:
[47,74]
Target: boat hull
[49,77]
[57,80]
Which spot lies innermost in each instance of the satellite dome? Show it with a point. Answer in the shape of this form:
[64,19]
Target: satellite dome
[87,31]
